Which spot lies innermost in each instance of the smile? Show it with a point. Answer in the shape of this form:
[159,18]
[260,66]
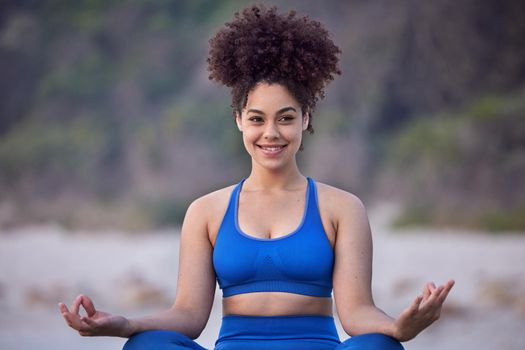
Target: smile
[271,149]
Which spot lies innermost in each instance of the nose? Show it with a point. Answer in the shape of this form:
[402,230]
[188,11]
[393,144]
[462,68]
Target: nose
[271,131]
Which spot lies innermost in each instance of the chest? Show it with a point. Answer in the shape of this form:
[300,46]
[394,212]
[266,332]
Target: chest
[270,215]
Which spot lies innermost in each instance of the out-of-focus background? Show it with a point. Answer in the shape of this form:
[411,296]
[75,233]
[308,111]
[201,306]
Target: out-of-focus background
[109,128]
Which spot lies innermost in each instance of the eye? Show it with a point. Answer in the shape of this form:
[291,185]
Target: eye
[255,119]
[287,118]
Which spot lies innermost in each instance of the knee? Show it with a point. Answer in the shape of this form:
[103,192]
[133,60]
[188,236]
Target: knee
[156,339]
[372,341]
[160,340]
[141,341]
[385,342]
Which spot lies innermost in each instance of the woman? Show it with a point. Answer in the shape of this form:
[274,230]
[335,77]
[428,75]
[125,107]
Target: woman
[277,242]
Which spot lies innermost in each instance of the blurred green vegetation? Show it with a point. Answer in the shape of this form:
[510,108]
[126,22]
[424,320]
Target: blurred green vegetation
[33,148]
[464,167]
[108,118]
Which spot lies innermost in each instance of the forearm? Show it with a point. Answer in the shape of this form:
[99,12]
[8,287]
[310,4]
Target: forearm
[181,320]
[367,319]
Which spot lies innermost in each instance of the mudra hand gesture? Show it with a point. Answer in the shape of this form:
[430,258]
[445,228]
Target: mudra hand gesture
[424,310]
[96,322]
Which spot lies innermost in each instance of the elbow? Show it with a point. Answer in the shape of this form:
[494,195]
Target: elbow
[347,323]
[352,320]
[196,328]
[190,322]
[192,330]
[194,334]
[349,327]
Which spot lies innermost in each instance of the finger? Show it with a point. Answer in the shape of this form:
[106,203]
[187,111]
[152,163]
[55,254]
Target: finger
[414,307]
[431,301]
[64,311]
[445,291]
[88,305]
[76,305]
[435,293]
[63,308]
[426,290]
[432,286]
[450,284]
[73,320]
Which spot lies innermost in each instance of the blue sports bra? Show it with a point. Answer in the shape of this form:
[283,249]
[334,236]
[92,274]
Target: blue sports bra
[300,262]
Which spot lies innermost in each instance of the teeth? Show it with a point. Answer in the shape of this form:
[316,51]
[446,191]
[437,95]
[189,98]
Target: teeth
[272,148]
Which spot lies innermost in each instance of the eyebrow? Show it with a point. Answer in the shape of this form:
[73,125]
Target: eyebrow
[282,110]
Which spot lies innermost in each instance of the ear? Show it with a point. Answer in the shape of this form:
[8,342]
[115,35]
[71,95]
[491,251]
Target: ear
[306,120]
[238,120]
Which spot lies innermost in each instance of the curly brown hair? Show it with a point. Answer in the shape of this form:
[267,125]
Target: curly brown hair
[260,44]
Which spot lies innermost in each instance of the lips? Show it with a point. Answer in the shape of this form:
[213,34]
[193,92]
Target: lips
[271,149]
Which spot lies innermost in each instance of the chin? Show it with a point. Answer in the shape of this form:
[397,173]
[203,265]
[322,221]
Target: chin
[273,164]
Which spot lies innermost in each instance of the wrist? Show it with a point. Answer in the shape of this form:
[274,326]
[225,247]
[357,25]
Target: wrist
[393,330]
[130,327]
[400,333]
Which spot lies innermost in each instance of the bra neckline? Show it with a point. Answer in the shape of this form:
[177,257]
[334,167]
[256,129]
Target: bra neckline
[290,234]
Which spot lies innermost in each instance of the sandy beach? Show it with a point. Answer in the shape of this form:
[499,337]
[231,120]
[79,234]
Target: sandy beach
[134,274]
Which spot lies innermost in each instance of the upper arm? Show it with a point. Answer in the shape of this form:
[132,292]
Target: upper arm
[353,255]
[196,278]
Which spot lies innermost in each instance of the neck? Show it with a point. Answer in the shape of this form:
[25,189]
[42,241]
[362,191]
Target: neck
[262,178]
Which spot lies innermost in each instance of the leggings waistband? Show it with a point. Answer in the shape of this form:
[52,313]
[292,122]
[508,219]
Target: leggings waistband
[314,327]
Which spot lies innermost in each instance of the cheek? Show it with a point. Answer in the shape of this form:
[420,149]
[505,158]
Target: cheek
[295,133]
[248,139]
[249,136]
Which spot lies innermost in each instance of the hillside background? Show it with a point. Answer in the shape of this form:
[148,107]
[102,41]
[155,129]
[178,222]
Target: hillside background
[108,119]
[109,125]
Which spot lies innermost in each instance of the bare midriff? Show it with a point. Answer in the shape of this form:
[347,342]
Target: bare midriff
[276,304]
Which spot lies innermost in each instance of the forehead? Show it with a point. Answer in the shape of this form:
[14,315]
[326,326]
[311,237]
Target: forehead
[270,97]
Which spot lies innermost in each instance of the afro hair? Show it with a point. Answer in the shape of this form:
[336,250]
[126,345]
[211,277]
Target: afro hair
[260,44]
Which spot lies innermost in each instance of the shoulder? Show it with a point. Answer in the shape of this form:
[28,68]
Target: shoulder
[335,198]
[209,209]
[340,205]
[210,202]
[349,220]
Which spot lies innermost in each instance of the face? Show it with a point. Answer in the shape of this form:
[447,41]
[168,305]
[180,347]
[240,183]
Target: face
[272,125]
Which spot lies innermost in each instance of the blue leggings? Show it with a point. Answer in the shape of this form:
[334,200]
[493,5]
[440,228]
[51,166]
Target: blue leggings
[267,332]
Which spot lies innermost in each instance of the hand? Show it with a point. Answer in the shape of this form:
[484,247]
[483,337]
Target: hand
[423,311]
[96,323]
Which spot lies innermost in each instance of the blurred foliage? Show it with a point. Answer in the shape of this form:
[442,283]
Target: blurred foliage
[166,211]
[465,167]
[108,118]
[34,148]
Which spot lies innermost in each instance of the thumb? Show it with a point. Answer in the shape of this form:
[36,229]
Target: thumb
[88,305]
